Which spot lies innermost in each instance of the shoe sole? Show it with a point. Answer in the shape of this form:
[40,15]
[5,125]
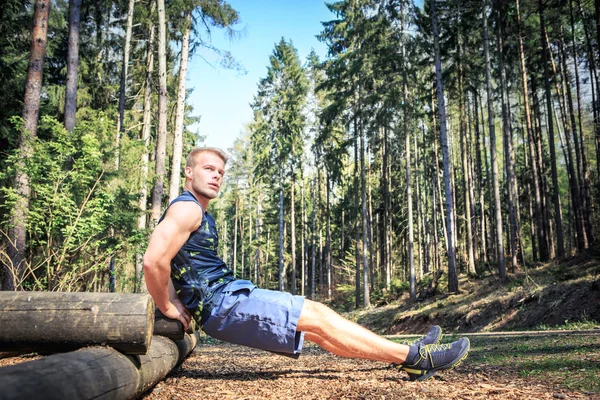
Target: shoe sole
[455,363]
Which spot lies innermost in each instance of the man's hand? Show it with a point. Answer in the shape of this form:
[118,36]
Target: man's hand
[176,310]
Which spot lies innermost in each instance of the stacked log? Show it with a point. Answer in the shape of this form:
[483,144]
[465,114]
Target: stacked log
[94,372]
[133,361]
[51,322]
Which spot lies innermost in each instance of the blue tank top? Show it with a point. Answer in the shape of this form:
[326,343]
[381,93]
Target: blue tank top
[197,271]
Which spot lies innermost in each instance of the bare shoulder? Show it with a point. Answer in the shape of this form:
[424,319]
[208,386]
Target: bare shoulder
[186,214]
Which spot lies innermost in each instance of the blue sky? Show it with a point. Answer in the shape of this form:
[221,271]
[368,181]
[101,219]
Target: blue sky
[222,97]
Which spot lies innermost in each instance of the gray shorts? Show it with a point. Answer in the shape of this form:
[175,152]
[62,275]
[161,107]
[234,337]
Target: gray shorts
[258,318]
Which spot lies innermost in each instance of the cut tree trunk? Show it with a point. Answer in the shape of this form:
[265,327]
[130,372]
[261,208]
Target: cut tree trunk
[95,372]
[53,322]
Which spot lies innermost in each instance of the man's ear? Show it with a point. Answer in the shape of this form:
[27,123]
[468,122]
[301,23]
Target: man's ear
[188,172]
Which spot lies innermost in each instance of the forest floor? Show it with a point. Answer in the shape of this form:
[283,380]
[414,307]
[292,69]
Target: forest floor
[535,337]
[555,306]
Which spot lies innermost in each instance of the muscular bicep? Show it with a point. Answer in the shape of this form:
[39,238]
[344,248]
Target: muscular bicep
[181,220]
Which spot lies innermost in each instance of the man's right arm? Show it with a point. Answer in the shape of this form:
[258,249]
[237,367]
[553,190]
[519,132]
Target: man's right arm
[181,220]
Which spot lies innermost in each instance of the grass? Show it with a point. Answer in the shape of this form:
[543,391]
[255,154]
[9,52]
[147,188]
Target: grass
[571,362]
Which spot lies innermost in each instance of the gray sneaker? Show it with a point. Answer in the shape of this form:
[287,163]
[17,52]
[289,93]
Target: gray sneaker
[433,336]
[436,357]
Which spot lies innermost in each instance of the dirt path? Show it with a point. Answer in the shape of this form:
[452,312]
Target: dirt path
[222,371]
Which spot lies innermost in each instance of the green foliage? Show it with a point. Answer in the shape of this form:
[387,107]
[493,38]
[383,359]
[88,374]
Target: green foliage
[77,219]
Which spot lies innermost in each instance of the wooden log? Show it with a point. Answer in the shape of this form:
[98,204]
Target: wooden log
[49,322]
[94,372]
[171,328]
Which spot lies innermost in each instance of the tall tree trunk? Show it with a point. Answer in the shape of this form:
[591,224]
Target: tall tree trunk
[328,236]
[555,190]
[465,166]
[480,187]
[585,168]
[72,64]
[180,113]
[370,223]
[535,178]
[509,156]
[14,272]
[143,200]
[436,163]
[363,190]
[293,229]
[582,242]
[161,143]
[540,160]
[314,239]
[452,273]
[259,224]
[124,69]
[356,220]
[409,208]
[593,76]
[235,232]
[385,245]
[493,154]
[281,242]
[303,240]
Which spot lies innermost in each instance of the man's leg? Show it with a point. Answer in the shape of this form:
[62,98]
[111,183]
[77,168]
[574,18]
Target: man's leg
[345,338]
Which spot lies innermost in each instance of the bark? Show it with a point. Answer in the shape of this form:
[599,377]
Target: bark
[585,168]
[161,143]
[143,200]
[363,190]
[235,233]
[437,172]
[494,156]
[124,75]
[180,113]
[14,271]
[95,372]
[54,321]
[471,184]
[314,239]
[535,178]
[409,208]
[509,156]
[582,242]
[356,220]
[328,236]
[281,241]
[293,229]
[480,187]
[452,273]
[303,240]
[555,190]
[593,76]
[72,64]
[370,223]
[465,167]
[386,211]
[539,144]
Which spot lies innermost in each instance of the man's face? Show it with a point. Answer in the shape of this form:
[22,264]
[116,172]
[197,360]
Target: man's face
[207,175]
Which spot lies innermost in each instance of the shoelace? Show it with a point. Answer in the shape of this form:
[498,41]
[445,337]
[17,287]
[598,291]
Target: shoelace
[432,348]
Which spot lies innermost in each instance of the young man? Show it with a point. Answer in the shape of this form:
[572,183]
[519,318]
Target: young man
[187,279]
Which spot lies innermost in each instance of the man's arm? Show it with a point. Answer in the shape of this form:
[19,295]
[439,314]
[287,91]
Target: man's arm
[181,220]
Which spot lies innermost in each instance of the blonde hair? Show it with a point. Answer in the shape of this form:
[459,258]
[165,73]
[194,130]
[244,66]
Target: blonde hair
[191,158]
